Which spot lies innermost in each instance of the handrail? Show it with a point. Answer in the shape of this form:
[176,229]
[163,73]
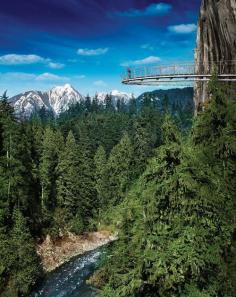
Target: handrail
[187,68]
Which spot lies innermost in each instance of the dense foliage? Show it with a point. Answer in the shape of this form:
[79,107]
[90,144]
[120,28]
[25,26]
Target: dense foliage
[59,175]
[132,167]
[178,220]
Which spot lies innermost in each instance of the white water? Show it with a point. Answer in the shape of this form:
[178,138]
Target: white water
[69,280]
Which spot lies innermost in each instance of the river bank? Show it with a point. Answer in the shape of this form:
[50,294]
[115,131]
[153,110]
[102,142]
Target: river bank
[54,253]
[70,279]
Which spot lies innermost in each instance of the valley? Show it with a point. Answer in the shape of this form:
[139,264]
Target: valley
[104,193]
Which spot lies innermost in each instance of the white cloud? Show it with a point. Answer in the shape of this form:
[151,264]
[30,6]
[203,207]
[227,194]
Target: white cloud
[30,77]
[151,10]
[51,77]
[183,28]
[55,65]
[14,59]
[100,83]
[92,52]
[17,75]
[148,60]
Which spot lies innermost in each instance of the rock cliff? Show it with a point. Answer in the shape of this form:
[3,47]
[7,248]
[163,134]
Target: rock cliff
[216,41]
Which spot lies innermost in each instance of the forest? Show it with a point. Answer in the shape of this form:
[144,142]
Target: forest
[160,177]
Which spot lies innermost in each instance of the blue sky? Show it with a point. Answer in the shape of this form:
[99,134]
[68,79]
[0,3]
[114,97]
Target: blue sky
[89,43]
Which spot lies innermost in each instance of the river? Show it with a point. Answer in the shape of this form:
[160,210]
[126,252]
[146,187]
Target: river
[69,280]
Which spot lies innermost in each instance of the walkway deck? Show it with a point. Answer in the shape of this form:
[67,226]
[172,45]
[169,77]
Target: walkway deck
[180,73]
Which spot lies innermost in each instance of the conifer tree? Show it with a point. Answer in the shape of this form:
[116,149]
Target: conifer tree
[52,143]
[101,177]
[132,106]
[166,104]
[109,107]
[120,105]
[143,209]
[214,137]
[26,268]
[68,196]
[95,104]
[214,130]
[120,169]
[142,147]
[16,161]
[88,103]
[87,183]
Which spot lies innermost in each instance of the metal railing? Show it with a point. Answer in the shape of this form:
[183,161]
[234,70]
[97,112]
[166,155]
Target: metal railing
[187,70]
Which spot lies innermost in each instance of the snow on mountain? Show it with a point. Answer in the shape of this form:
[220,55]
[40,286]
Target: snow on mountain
[29,102]
[57,100]
[61,98]
[115,95]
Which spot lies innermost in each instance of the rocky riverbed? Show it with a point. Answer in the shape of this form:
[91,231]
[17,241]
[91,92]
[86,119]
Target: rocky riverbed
[54,253]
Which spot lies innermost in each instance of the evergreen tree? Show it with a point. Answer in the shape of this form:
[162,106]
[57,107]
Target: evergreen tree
[132,106]
[120,169]
[120,106]
[16,162]
[26,268]
[214,129]
[68,196]
[87,183]
[6,123]
[109,107]
[166,104]
[142,205]
[214,137]
[142,147]
[101,177]
[52,144]
[88,103]
[4,96]
[95,104]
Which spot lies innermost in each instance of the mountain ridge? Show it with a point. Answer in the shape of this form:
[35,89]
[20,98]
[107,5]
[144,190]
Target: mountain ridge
[60,98]
[57,100]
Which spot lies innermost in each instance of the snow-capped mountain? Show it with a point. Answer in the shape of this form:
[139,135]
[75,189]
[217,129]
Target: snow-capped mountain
[57,100]
[61,98]
[29,102]
[115,95]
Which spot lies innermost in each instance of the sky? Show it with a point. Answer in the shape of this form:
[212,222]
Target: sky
[88,43]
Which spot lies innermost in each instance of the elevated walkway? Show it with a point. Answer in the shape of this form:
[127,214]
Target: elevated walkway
[180,73]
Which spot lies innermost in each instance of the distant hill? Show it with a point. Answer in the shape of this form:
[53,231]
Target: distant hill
[178,98]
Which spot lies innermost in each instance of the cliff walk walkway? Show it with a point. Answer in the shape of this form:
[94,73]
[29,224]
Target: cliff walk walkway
[180,73]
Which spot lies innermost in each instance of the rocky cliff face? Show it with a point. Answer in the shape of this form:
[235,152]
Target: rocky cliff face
[216,41]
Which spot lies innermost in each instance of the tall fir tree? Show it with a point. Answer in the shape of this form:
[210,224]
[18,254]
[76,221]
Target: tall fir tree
[142,147]
[109,107]
[120,169]
[88,103]
[101,176]
[87,178]
[132,106]
[26,268]
[52,144]
[68,190]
